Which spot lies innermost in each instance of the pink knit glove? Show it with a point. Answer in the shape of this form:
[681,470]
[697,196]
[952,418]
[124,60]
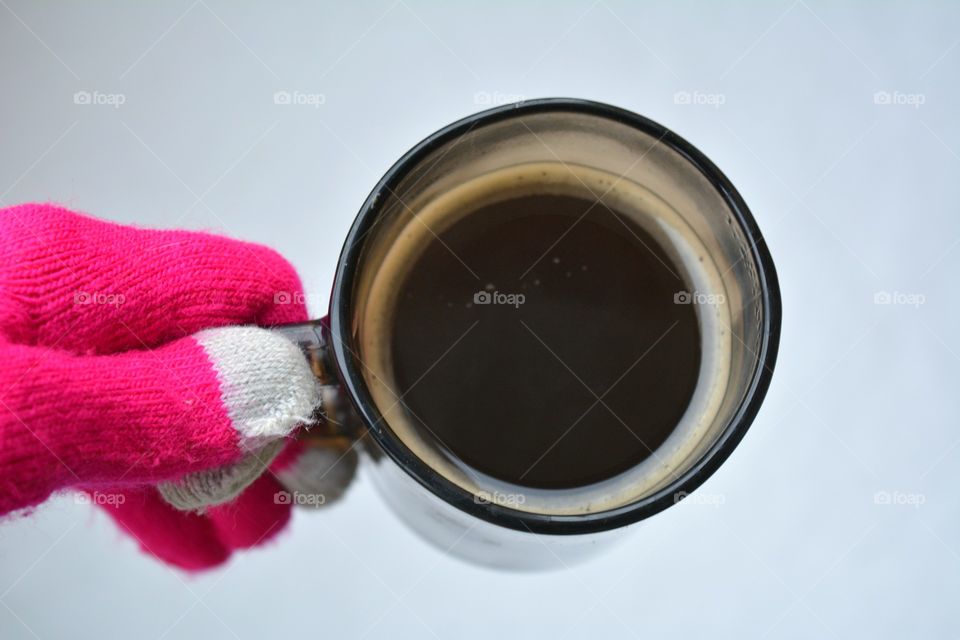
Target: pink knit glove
[119,371]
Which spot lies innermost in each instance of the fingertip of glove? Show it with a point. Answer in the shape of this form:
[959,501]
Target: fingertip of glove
[266,384]
[198,491]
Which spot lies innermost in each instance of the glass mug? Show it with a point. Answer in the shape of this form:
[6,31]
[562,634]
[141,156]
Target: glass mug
[471,515]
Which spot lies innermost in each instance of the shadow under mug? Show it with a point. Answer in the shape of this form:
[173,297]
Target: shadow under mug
[459,514]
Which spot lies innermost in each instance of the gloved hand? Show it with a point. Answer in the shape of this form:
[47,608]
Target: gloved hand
[121,370]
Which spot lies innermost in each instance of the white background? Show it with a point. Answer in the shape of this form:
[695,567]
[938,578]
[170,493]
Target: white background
[854,197]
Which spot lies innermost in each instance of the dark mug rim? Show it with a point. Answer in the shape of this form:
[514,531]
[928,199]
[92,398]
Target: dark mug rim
[351,376]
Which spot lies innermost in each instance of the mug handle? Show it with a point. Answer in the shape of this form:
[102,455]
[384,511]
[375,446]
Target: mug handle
[336,420]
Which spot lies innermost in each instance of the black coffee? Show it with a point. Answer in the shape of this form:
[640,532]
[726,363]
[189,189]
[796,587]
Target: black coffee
[506,370]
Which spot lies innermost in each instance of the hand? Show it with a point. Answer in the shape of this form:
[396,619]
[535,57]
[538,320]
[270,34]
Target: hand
[120,370]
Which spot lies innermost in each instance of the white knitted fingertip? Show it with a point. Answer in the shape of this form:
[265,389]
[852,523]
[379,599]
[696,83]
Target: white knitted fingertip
[266,383]
[197,491]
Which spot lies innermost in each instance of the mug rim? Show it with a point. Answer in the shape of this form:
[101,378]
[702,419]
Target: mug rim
[351,376]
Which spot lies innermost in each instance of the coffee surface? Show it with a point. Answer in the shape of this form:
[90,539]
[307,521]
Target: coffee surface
[540,341]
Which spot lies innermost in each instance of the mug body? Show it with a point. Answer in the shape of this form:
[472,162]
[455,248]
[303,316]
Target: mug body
[688,202]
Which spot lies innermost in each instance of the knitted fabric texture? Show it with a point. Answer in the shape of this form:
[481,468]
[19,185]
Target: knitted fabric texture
[103,385]
[198,491]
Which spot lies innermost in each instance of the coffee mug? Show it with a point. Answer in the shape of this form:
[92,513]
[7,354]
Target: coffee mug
[664,204]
